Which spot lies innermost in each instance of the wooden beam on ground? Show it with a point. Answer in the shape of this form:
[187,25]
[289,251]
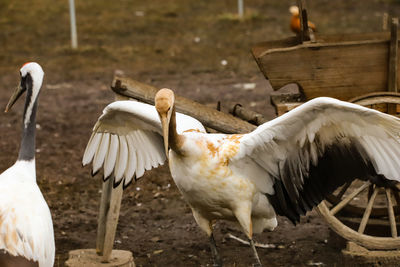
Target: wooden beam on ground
[212,118]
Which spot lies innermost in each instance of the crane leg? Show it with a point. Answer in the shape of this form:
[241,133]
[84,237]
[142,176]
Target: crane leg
[217,261]
[243,215]
[206,226]
[253,247]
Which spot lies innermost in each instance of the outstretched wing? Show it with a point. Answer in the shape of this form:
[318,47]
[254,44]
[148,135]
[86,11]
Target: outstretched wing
[127,140]
[317,147]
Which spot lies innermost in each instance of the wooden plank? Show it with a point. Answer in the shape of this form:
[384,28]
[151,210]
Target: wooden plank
[337,68]
[262,48]
[211,118]
[339,71]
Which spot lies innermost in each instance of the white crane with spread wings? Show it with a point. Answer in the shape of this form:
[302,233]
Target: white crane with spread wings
[285,166]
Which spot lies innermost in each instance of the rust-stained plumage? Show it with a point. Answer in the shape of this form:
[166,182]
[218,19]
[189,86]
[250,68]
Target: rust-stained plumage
[287,165]
[200,166]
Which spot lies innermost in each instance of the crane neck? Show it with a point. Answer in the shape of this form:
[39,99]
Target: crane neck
[27,148]
[175,140]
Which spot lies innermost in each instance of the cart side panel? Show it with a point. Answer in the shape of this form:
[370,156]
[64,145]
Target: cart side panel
[340,71]
[340,66]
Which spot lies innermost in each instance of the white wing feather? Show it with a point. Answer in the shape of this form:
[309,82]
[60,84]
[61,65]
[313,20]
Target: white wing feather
[101,152]
[127,140]
[122,159]
[111,156]
[378,133]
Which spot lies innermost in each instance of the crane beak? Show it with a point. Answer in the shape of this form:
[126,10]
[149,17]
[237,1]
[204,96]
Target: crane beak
[165,127]
[17,93]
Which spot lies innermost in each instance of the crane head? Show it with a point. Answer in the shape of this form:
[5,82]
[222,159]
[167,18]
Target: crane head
[164,102]
[31,80]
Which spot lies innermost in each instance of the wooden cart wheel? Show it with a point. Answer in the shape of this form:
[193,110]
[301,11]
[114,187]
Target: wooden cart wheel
[368,205]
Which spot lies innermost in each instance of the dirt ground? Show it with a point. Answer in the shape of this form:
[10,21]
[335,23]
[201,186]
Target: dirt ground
[176,44]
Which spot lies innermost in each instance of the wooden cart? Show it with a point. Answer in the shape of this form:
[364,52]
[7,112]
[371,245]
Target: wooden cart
[360,68]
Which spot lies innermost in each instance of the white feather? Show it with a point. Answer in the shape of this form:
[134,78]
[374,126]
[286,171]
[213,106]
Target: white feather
[140,155]
[101,152]
[330,119]
[130,170]
[112,155]
[122,159]
[139,123]
[91,148]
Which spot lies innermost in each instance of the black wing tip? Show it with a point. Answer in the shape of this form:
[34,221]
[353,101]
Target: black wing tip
[106,178]
[128,184]
[94,173]
[116,184]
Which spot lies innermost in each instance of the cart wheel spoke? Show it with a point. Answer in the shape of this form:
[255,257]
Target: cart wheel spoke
[349,198]
[397,197]
[392,220]
[370,191]
[368,210]
[343,190]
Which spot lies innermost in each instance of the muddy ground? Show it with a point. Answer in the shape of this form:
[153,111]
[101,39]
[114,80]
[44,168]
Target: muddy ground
[176,44]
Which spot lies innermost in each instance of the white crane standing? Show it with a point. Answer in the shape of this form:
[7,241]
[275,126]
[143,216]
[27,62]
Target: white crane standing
[26,228]
[285,166]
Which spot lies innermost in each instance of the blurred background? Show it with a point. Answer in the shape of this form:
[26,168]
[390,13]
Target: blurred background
[200,49]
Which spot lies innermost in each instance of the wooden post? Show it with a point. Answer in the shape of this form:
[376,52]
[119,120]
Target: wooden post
[212,118]
[240,9]
[394,40]
[304,35]
[110,205]
[393,54]
[74,35]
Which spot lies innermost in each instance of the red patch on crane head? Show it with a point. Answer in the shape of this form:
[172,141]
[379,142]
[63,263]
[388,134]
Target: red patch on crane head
[26,63]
